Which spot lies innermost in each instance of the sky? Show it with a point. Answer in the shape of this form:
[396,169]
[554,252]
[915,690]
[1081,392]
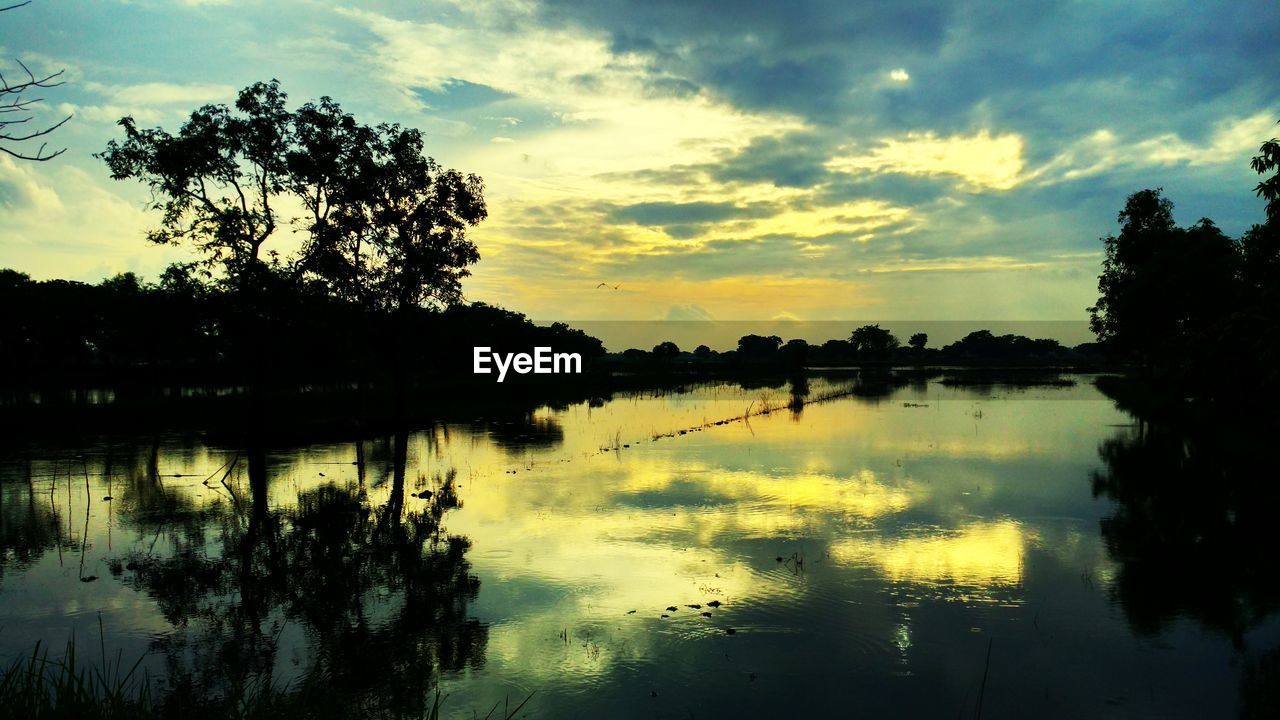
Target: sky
[814,161]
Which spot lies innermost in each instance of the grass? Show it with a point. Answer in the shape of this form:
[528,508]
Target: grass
[41,687]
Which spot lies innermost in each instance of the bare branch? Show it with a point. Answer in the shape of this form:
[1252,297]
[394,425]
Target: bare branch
[14,103]
[38,157]
[36,134]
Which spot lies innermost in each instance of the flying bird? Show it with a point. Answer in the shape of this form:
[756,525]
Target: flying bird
[615,287]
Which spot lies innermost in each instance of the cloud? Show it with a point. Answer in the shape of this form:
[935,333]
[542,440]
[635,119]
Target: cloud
[148,103]
[663,214]
[62,223]
[687,312]
[22,191]
[982,161]
[926,157]
[162,93]
[1231,141]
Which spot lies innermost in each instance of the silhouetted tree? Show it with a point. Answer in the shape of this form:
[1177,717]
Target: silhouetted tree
[836,352]
[1268,161]
[983,346]
[665,351]
[918,341]
[386,223]
[795,352]
[15,110]
[1164,289]
[758,347]
[412,216]
[873,342]
[214,180]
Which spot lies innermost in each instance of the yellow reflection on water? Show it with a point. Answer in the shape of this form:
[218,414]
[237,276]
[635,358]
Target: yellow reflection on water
[578,516]
[980,554]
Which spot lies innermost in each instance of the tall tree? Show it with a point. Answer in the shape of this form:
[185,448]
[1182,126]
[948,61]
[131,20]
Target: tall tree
[413,217]
[214,180]
[332,157]
[1164,290]
[385,224]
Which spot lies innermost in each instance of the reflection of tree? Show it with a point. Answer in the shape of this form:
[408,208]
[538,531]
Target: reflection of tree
[1260,687]
[28,523]
[874,384]
[525,432]
[799,390]
[142,500]
[380,591]
[1192,530]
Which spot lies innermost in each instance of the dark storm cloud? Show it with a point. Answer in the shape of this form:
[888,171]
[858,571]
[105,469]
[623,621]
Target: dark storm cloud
[1051,66]
[792,160]
[801,56]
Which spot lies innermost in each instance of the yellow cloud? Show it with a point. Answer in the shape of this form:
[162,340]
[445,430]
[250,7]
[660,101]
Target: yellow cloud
[996,262]
[1232,142]
[984,161]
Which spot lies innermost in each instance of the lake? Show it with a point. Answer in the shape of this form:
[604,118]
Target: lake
[922,550]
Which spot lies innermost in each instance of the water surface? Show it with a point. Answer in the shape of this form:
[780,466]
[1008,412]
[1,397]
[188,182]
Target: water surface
[875,556]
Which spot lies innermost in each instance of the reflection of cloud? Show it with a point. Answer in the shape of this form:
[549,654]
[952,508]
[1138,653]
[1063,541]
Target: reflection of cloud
[761,499]
[981,554]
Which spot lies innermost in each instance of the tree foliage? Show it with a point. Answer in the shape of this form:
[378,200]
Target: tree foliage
[1164,289]
[758,346]
[873,342]
[215,179]
[1191,305]
[383,223]
[1268,161]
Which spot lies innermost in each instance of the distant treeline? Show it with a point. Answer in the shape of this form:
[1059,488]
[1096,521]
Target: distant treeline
[869,345]
[184,328]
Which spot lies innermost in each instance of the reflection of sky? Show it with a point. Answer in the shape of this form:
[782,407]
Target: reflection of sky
[862,546]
